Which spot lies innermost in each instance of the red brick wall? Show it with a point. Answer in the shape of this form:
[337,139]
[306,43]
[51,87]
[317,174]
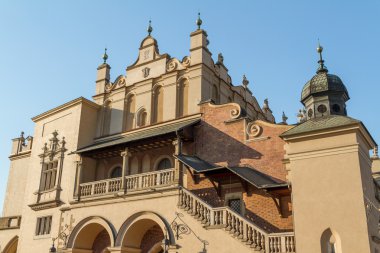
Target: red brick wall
[223,141]
[101,242]
[151,237]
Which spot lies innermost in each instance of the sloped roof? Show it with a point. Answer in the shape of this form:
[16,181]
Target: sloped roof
[321,123]
[196,163]
[252,176]
[257,178]
[149,132]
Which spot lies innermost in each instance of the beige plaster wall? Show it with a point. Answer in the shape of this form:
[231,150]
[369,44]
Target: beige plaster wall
[17,179]
[67,123]
[328,174]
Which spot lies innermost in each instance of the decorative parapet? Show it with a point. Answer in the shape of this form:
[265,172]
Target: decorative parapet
[11,222]
[21,146]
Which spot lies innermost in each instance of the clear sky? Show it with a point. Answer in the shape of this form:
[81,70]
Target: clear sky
[50,50]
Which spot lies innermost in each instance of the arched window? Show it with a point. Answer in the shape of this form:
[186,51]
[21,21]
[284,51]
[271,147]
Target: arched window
[183,98]
[142,118]
[116,172]
[158,102]
[215,94]
[129,113]
[107,109]
[330,242]
[164,164]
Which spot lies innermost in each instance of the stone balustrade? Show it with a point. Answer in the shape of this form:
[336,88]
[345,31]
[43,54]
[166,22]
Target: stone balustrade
[236,225]
[132,183]
[11,222]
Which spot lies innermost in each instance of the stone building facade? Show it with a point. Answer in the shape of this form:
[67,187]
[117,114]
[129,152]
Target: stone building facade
[173,157]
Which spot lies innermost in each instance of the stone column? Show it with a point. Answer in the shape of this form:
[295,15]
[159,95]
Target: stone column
[78,178]
[177,165]
[125,154]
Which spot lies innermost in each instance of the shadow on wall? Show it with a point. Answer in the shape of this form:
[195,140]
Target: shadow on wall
[216,146]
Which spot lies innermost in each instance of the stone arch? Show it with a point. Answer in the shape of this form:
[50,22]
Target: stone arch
[141,117]
[182,96]
[11,247]
[129,111]
[132,231]
[87,231]
[160,158]
[158,103]
[330,242]
[112,170]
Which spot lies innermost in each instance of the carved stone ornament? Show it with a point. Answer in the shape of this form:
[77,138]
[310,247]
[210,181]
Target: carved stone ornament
[254,130]
[235,113]
[145,71]
[121,82]
[186,61]
[172,65]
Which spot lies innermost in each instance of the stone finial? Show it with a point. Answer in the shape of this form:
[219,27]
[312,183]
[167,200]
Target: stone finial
[105,56]
[150,28]
[199,21]
[284,118]
[220,59]
[301,116]
[245,82]
[266,104]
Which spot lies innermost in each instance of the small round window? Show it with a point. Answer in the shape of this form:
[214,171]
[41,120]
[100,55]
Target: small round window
[322,108]
[164,164]
[336,108]
[116,172]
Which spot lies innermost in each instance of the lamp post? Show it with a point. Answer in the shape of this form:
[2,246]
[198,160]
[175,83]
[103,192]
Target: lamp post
[62,235]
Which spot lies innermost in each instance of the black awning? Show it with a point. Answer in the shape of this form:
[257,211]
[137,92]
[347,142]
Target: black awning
[197,164]
[256,178]
[141,134]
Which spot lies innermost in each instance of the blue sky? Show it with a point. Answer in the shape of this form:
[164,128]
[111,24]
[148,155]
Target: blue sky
[50,50]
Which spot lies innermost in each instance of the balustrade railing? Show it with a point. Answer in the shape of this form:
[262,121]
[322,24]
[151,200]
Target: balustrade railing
[236,225]
[132,183]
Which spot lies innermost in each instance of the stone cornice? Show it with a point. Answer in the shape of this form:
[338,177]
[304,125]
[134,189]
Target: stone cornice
[77,101]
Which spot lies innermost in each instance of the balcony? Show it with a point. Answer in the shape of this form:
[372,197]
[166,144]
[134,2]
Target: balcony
[133,184]
[11,222]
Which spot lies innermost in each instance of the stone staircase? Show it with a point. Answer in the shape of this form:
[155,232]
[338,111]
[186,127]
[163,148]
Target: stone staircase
[236,225]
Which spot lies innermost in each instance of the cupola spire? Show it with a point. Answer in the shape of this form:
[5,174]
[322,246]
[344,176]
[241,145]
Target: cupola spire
[199,21]
[150,28]
[322,67]
[105,56]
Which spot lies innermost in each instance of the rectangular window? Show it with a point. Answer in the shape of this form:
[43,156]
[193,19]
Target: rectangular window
[43,225]
[49,173]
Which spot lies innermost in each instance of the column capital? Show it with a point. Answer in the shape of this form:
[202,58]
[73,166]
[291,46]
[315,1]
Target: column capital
[126,153]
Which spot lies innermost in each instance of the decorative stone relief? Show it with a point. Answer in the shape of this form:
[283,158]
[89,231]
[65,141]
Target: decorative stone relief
[145,71]
[186,61]
[172,65]
[253,130]
[235,113]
